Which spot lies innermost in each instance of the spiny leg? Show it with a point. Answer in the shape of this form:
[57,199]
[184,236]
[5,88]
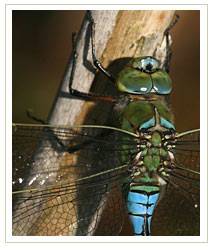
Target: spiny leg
[29,115]
[82,95]
[96,62]
[168,49]
[75,55]
[72,74]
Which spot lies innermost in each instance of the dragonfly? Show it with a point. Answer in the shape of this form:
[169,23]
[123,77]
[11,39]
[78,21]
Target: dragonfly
[88,179]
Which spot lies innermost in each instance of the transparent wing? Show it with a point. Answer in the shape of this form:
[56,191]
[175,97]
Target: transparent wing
[178,212]
[66,181]
[69,182]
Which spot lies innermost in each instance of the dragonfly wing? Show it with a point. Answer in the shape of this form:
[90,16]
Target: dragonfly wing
[179,210]
[65,182]
[176,215]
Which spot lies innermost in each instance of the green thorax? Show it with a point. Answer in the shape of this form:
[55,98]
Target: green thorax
[142,76]
[151,121]
[140,116]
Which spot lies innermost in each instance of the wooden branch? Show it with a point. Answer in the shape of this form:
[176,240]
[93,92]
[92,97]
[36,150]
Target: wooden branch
[118,34]
[137,33]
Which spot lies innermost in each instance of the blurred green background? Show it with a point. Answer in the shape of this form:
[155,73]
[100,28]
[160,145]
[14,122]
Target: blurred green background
[42,45]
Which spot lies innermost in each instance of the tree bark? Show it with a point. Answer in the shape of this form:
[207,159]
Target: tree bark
[118,34]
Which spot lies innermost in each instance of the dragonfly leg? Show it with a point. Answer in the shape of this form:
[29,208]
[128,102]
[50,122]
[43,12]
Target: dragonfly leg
[82,95]
[29,115]
[96,62]
[168,49]
[73,92]
[75,54]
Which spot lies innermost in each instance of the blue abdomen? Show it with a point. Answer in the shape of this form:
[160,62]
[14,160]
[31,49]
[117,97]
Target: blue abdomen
[140,206]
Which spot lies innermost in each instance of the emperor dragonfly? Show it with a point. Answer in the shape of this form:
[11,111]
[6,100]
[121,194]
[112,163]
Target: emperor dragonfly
[103,143]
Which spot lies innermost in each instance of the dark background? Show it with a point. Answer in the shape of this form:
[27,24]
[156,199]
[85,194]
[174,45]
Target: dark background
[42,45]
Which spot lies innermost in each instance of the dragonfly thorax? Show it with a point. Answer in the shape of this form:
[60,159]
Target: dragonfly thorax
[154,157]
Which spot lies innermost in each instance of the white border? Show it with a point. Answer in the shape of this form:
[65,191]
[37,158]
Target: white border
[203,108]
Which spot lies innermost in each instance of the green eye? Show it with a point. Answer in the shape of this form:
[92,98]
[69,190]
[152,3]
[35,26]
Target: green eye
[142,75]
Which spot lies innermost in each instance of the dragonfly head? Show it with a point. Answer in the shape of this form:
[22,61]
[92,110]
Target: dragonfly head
[143,75]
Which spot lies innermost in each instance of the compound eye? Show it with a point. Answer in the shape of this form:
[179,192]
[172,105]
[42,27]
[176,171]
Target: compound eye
[149,65]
